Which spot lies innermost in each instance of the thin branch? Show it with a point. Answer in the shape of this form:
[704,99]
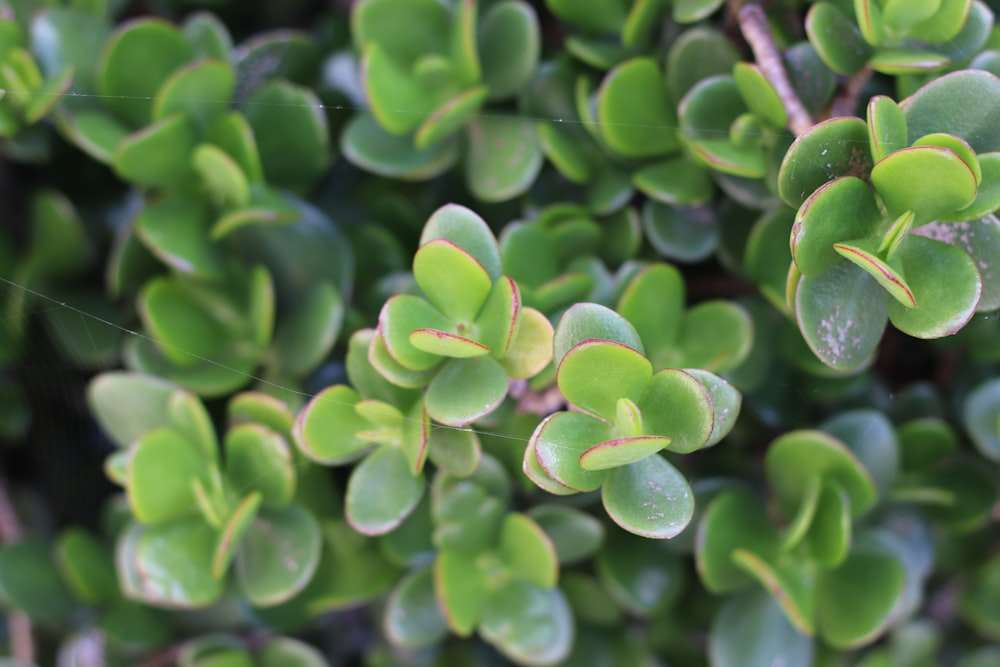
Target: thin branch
[757,33]
[22,643]
[847,102]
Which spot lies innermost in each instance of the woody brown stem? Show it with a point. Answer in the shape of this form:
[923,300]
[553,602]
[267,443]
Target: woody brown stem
[757,33]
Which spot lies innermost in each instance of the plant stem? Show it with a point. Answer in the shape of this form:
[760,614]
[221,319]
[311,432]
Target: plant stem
[847,101]
[757,33]
[22,644]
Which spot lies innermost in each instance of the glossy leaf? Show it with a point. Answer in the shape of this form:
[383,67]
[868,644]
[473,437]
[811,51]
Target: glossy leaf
[258,459]
[467,230]
[855,602]
[677,405]
[128,405]
[461,591]
[842,314]
[280,553]
[795,457]
[946,286]
[834,148]
[637,126]
[158,156]
[161,469]
[509,43]
[585,321]
[595,374]
[412,616]
[129,90]
[558,443]
[464,390]
[837,39]
[575,535]
[751,630]
[928,180]
[169,565]
[504,157]
[201,91]
[649,498]
[382,491]
[933,109]
[454,282]
[820,223]
[327,428]
[367,145]
[531,625]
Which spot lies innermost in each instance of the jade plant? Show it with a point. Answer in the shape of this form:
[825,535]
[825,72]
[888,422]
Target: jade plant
[420,333]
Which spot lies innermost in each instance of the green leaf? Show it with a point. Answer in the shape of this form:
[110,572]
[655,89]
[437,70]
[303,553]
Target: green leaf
[622,451]
[455,450]
[307,335]
[258,459]
[638,575]
[412,616]
[31,583]
[759,95]
[715,335]
[461,591]
[575,535]
[159,155]
[794,458]
[928,180]
[454,282]
[225,181]
[558,443]
[585,321]
[327,428]
[752,630]
[233,134]
[94,132]
[390,23]
[527,551]
[872,438]
[365,144]
[698,53]
[946,286]
[636,118]
[686,234]
[291,132]
[530,625]
[162,466]
[464,390]
[169,565]
[509,44]
[649,498]
[981,416]
[792,586]
[85,565]
[393,371]
[958,104]
[829,535]
[834,148]
[451,116]
[735,519]
[175,229]
[726,403]
[842,314]
[64,39]
[279,554]
[201,91]
[231,536]
[607,16]
[497,322]
[288,652]
[837,39]
[467,230]
[653,301]
[401,315]
[207,35]
[855,602]
[677,405]
[886,127]
[503,158]
[594,374]
[675,181]
[820,223]
[382,491]
[128,405]
[864,254]
[130,90]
